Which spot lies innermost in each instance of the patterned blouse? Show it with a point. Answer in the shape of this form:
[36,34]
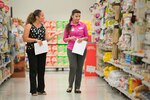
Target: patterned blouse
[36,33]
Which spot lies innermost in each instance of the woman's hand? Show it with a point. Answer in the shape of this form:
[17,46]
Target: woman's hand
[72,38]
[39,42]
[80,40]
[58,32]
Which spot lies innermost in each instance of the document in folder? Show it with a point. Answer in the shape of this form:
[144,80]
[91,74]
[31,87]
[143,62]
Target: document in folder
[41,49]
[79,48]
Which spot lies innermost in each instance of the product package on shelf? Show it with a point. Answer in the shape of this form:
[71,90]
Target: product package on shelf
[140,92]
[19,56]
[65,61]
[59,25]
[133,83]
[51,61]
[62,61]
[115,76]
[52,50]
[1,74]
[140,8]
[50,25]
[64,23]
[90,63]
[60,39]
[62,50]
[147,36]
[88,24]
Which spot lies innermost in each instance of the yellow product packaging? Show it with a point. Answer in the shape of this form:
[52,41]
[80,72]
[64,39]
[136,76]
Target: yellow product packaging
[1,74]
[130,82]
[112,68]
[107,56]
[106,74]
[88,24]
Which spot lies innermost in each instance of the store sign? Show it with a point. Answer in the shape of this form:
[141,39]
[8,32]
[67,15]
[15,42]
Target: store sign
[6,8]
[1,4]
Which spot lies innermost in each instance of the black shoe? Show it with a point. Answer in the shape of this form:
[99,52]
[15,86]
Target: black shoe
[77,91]
[69,90]
[42,93]
[34,94]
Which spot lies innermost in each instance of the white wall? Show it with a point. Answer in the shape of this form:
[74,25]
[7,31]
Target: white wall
[53,9]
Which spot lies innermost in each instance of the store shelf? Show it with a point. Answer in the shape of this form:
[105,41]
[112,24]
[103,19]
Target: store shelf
[4,52]
[52,43]
[121,90]
[146,60]
[134,54]
[100,55]
[146,83]
[147,42]
[49,54]
[1,81]
[5,64]
[134,74]
[100,73]
[117,65]
[126,93]
[127,71]
[57,66]
[62,43]
[106,49]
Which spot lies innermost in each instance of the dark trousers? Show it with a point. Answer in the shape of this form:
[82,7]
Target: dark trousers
[76,66]
[36,72]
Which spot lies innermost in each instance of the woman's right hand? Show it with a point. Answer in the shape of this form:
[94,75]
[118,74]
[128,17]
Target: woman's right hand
[72,38]
[39,42]
[58,32]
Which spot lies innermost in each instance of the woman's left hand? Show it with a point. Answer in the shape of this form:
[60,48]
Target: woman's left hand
[80,40]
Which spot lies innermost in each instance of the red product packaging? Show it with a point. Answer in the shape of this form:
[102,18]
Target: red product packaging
[90,60]
[2,4]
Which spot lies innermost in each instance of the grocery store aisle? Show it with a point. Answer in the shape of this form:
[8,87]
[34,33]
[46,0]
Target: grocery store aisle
[93,88]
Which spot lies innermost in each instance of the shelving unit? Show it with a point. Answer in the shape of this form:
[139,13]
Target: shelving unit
[147,42]
[6,68]
[146,83]
[121,90]
[127,71]
[146,60]
[5,64]
[54,54]
[126,35]
[134,54]
[5,78]
[100,73]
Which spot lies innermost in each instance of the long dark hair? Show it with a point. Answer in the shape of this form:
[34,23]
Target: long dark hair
[68,26]
[32,16]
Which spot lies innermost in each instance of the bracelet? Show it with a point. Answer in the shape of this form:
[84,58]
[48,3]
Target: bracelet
[35,40]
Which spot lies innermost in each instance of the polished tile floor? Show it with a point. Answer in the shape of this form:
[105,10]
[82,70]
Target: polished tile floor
[93,88]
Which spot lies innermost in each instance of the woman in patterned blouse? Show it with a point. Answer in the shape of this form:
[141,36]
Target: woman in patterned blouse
[35,32]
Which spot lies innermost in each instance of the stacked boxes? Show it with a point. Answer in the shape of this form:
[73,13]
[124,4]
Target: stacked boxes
[51,61]
[62,61]
[60,39]
[60,25]
[52,50]
[57,53]
[62,50]
[51,29]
